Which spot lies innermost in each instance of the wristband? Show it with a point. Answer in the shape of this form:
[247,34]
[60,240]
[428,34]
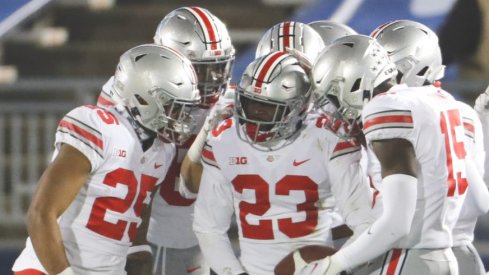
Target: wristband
[140,248]
[194,153]
[67,271]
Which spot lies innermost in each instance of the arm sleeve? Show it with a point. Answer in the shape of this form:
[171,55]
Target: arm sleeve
[212,217]
[349,185]
[484,119]
[399,205]
[476,202]
[81,128]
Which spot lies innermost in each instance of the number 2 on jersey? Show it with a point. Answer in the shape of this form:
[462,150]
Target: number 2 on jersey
[455,151]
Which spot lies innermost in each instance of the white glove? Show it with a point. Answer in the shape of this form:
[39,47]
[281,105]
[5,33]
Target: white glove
[67,271]
[482,102]
[223,109]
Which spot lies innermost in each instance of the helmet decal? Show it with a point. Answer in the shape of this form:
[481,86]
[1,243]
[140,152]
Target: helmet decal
[265,69]
[210,31]
[286,35]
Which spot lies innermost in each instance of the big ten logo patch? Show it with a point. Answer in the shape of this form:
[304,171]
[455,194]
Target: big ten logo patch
[120,153]
[238,161]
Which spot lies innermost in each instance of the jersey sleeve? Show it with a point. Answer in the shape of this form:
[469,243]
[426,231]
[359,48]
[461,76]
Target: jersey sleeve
[212,218]
[386,117]
[81,128]
[484,119]
[349,185]
[474,136]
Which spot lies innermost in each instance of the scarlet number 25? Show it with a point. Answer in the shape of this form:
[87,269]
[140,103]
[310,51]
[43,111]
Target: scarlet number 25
[96,221]
[264,230]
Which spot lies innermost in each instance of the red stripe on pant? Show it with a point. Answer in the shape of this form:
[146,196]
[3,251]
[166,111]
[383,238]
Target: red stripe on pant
[391,269]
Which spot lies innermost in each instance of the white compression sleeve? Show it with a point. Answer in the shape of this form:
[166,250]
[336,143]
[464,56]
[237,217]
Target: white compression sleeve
[195,151]
[67,271]
[399,204]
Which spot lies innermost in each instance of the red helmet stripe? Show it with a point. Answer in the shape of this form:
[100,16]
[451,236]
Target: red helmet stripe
[381,28]
[210,30]
[266,67]
[287,35]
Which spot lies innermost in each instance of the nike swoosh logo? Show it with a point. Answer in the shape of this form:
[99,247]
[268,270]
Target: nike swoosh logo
[192,269]
[158,165]
[297,163]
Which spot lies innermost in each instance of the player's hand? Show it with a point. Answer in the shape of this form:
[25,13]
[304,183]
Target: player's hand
[304,62]
[139,263]
[223,109]
[482,102]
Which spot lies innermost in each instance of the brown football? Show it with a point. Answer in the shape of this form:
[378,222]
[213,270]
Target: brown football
[309,253]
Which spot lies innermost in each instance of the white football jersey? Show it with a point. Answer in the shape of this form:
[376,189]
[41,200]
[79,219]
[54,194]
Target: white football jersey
[433,122]
[278,197]
[100,224]
[463,233]
[172,214]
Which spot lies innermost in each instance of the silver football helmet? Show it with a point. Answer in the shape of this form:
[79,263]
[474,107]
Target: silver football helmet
[204,39]
[348,70]
[272,99]
[158,87]
[415,50]
[331,30]
[291,35]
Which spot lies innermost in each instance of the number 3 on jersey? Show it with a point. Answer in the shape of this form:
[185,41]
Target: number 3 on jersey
[455,151]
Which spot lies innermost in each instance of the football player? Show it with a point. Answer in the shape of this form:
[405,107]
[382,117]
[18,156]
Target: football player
[414,49]
[417,136]
[274,169]
[482,108]
[87,207]
[203,38]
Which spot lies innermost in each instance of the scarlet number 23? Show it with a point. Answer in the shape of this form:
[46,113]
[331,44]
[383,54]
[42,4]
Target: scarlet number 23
[264,230]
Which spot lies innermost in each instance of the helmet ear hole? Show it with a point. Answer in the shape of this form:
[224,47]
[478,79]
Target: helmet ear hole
[356,85]
[141,100]
[333,99]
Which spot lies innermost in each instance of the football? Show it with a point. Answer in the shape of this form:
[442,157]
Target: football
[309,253]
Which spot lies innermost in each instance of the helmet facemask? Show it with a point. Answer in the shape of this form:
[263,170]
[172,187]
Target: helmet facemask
[346,119]
[213,78]
[174,123]
[266,122]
